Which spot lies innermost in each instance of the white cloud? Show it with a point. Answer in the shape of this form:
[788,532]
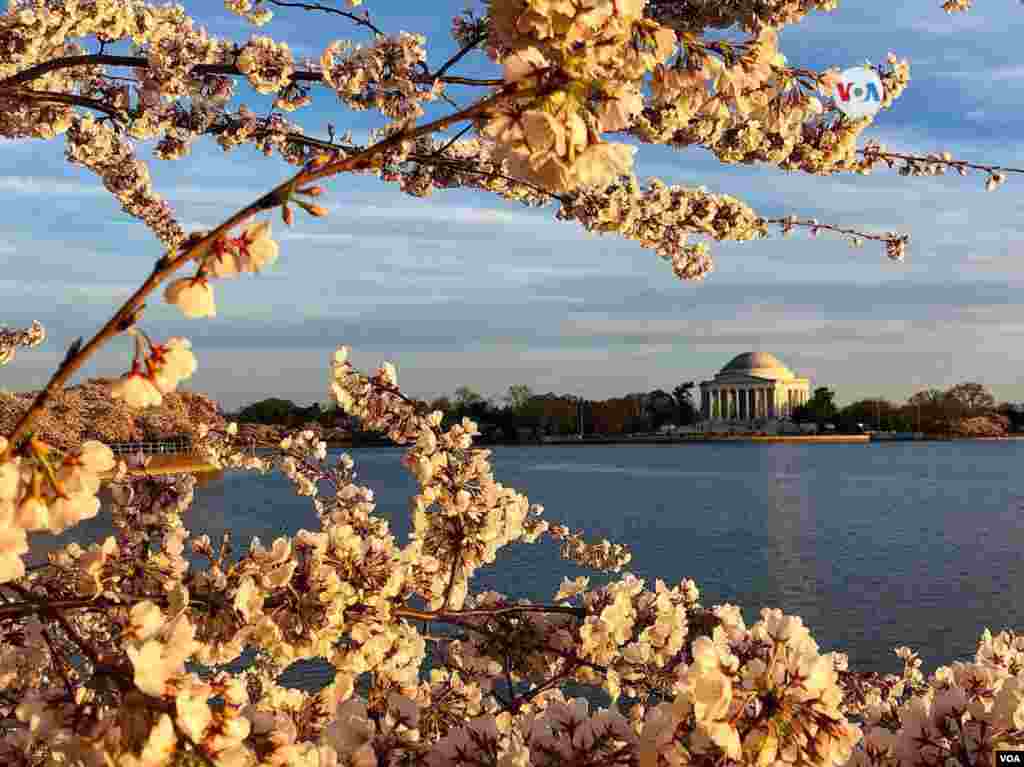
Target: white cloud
[39,186]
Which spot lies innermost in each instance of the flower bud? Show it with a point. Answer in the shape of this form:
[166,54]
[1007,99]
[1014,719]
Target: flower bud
[286,215]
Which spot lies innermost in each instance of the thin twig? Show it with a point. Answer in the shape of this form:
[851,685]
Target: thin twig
[56,614]
[360,20]
[458,56]
[440,152]
[912,159]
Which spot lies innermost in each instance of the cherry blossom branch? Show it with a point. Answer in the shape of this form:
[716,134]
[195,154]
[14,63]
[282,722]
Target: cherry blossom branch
[454,616]
[895,243]
[69,98]
[125,316]
[199,70]
[31,605]
[463,166]
[51,611]
[932,164]
[10,340]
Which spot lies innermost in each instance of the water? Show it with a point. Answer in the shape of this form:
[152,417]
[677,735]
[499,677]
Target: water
[873,545]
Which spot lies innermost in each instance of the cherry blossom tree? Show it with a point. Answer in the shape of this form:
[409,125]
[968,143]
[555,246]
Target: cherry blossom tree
[119,653]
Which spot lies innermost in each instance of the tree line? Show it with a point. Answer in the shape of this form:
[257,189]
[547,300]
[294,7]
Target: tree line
[522,415]
[942,412]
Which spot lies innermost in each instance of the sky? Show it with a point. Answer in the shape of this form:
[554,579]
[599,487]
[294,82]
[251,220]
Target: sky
[468,289]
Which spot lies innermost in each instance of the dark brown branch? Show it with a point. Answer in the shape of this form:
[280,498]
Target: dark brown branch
[462,166]
[440,152]
[69,98]
[59,661]
[51,611]
[458,56]
[454,616]
[199,70]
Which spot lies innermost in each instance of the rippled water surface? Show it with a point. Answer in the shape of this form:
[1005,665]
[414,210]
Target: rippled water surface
[874,545]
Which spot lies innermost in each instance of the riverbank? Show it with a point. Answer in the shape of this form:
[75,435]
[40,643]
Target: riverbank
[173,463]
[696,439]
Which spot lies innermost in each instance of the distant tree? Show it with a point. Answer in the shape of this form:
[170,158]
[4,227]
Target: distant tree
[973,397]
[685,407]
[272,410]
[660,407]
[613,416]
[638,419]
[1014,413]
[558,415]
[819,409]
[517,397]
[873,413]
[465,397]
[934,410]
[927,398]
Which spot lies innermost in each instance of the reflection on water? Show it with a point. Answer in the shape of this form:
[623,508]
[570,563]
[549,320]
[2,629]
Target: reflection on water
[875,546]
[204,478]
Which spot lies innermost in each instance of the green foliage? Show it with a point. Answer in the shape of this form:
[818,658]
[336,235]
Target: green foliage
[687,411]
[518,396]
[820,408]
[275,411]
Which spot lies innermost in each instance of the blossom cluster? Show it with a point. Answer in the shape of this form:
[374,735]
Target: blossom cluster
[381,76]
[267,65]
[551,134]
[11,340]
[227,257]
[749,15]
[662,217]
[166,365]
[45,489]
[97,147]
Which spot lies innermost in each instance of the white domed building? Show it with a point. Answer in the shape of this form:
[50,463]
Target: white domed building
[754,386]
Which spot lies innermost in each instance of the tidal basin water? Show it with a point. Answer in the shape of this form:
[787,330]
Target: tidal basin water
[873,545]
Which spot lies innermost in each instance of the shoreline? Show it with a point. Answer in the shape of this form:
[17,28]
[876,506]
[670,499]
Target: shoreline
[821,439]
[177,463]
[170,463]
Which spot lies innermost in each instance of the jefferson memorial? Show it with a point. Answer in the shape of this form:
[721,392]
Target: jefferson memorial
[752,387]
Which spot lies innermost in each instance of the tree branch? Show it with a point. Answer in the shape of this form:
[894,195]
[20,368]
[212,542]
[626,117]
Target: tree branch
[50,610]
[361,21]
[69,98]
[458,56]
[199,70]
[166,266]
[914,160]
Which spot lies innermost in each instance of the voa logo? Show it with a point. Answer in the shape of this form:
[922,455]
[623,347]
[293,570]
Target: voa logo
[858,92]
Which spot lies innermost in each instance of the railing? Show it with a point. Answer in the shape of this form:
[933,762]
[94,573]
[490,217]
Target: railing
[177,445]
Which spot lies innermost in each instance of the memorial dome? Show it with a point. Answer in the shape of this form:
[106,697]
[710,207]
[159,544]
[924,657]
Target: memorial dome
[759,365]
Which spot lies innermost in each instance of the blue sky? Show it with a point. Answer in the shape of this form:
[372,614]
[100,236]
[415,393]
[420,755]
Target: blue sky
[463,288]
